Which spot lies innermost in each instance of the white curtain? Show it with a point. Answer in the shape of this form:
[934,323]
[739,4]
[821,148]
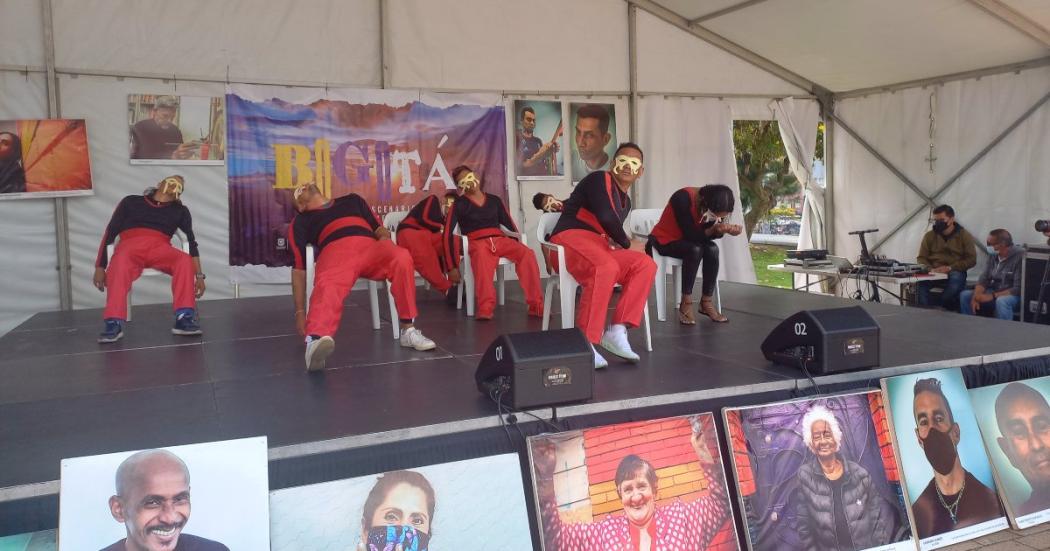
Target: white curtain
[797,121]
[1008,188]
[689,142]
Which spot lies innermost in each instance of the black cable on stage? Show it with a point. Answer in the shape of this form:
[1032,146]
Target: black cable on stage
[805,369]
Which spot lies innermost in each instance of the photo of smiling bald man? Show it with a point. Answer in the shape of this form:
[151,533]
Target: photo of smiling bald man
[152,501]
[177,498]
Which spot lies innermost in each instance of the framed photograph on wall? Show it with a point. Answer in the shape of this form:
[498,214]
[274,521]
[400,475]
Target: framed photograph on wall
[176,130]
[538,131]
[804,465]
[44,158]
[949,487]
[593,137]
[209,497]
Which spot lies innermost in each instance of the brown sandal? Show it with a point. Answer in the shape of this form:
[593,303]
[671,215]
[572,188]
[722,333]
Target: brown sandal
[707,308]
[685,315]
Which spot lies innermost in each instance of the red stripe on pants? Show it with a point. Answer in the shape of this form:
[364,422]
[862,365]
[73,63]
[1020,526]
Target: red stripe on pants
[426,250]
[484,258]
[598,268]
[137,250]
[346,259]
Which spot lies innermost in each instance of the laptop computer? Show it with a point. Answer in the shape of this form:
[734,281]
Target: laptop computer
[841,263]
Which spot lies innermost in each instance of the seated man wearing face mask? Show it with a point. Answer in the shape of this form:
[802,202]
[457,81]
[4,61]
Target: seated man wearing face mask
[547,202]
[946,249]
[999,289]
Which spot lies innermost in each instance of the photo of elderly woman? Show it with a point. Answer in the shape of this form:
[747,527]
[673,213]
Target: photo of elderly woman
[643,486]
[818,475]
[472,504]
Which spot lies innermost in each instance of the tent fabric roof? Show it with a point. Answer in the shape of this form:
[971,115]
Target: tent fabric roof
[845,45]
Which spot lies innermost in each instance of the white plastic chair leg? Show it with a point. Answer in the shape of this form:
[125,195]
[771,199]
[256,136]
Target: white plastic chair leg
[677,271]
[373,302]
[661,287]
[718,296]
[394,318]
[548,296]
[568,303]
[500,279]
[129,306]
[648,327]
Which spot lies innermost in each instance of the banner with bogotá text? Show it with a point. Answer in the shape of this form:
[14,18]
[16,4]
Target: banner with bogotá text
[394,148]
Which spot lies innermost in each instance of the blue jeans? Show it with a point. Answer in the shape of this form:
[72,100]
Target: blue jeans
[954,285]
[1004,307]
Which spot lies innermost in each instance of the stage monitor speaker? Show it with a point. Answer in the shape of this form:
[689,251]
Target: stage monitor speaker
[826,341]
[541,368]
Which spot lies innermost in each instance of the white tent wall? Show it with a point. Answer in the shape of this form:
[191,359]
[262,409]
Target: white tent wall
[23,32]
[28,247]
[1008,188]
[334,41]
[482,44]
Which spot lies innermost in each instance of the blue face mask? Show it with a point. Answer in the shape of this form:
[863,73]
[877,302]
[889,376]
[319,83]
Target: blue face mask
[387,538]
[991,250]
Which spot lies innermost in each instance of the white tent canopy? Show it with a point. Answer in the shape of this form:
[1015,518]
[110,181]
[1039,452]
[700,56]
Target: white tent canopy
[987,61]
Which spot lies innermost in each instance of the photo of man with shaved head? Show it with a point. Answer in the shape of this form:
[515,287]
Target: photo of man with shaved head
[152,501]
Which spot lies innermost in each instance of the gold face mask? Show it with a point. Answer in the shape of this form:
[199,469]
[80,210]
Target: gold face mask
[299,191]
[468,182]
[172,186]
[551,204]
[627,165]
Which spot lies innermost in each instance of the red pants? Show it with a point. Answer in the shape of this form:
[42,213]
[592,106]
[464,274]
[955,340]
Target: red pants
[484,258]
[141,248]
[598,268]
[426,250]
[338,268]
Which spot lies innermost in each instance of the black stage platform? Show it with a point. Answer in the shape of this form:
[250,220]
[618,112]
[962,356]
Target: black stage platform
[63,395]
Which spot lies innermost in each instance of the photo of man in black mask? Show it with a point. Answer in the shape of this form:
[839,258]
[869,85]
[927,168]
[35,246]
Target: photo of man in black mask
[954,498]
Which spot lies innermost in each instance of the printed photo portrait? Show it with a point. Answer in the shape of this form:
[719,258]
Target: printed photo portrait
[176,130]
[1015,424]
[643,485]
[472,504]
[593,137]
[948,480]
[205,497]
[538,133]
[44,158]
[818,474]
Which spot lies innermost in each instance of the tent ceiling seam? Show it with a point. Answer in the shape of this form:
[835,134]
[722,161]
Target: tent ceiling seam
[1014,19]
[724,11]
[951,77]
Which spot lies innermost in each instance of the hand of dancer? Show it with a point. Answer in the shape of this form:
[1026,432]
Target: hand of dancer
[453,275]
[100,279]
[199,288]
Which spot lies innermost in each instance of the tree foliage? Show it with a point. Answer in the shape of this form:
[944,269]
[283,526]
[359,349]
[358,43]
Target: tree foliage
[763,169]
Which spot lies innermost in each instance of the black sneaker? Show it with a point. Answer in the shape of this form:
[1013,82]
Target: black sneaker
[186,324]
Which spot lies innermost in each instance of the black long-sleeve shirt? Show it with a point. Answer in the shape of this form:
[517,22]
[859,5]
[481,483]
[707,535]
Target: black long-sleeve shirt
[681,219]
[476,222]
[425,215]
[597,204]
[140,211]
[344,216]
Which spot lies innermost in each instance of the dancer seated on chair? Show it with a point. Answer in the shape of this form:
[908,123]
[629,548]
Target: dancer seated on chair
[145,224]
[350,243]
[599,254]
[480,216]
[691,222]
[421,233]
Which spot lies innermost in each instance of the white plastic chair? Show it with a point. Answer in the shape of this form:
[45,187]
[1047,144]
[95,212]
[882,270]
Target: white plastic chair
[150,272]
[373,294]
[640,223]
[466,271]
[390,221]
[566,284]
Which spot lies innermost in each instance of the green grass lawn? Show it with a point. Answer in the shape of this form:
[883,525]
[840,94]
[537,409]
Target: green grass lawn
[764,255]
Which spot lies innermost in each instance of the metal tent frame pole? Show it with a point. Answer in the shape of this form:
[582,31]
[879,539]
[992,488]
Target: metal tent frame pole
[632,71]
[54,110]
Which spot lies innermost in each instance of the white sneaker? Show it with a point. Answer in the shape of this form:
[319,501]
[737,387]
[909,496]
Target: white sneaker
[414,338]
[317,351]
[615,340]
[599,361]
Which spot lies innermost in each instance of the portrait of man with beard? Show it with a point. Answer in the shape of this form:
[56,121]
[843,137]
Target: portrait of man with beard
[954,498]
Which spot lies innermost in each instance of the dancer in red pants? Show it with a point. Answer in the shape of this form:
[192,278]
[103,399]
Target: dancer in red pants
[145,224]
[421,233]
[479,216]
[350,243]
[599,255]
